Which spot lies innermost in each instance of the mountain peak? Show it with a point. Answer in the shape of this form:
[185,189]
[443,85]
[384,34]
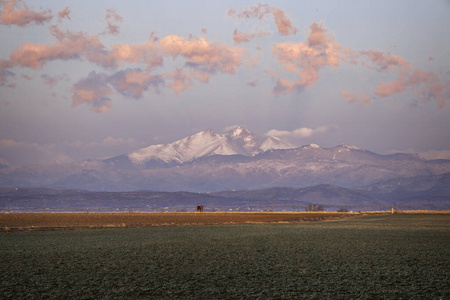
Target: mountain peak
[346,146]
[237,140]
[206,132]
[239,132]
[274,143]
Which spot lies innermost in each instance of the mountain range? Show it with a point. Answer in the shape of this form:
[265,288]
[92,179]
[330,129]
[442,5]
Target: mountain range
[422,192]
[238,160]
[237,141]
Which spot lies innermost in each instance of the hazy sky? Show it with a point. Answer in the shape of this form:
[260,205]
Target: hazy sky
[92,79]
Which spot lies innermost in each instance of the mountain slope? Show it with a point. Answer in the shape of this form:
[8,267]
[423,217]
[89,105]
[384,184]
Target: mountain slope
[324,194]
[412,190]
[424,192]
[203,144]
[236,160]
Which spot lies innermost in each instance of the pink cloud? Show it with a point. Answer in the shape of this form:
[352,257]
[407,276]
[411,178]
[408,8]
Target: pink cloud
[385,61]
[133,82]
[51,81]
[64,14]
[386,89]
[78,45]
[113,19]
[360,98]
[181,80]
[283,23]
[207,57]
[147,53]
[202,59]
[307,58]
[72,46]
[256,11]
[242,37]
[427,85]
[16,12]
[259,11]
[93,91]
[97,89]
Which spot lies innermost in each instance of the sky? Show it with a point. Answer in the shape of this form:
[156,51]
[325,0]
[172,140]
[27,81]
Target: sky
[82,80]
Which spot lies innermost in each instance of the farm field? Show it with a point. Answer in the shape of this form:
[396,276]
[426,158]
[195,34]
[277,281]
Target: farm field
[402,256]
[51,221]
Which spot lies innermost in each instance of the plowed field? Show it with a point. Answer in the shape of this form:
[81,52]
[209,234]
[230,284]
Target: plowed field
[52,221]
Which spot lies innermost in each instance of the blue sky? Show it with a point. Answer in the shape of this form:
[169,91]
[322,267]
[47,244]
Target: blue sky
[95,80]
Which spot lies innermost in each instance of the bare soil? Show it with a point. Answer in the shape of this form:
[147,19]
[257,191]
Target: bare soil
[65,221]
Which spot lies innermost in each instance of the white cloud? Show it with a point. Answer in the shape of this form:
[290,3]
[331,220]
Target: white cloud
[301,133]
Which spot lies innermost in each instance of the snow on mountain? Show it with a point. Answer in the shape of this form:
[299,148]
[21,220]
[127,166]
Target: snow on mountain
[349,147]
[238,140]
[274,143]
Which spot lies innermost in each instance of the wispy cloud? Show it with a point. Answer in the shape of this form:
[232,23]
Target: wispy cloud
[360,97]
[52,81]
[134,82]
[178,62]
[306,59]
[427,85]
[242,37]
[260,11]
[71,46]
[199,52]
[113,20]
[301,133]
[97,89]
[94,91]
[181,79]
[64,14]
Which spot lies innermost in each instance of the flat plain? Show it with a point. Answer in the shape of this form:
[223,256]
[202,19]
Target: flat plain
[64,221]
[365,257]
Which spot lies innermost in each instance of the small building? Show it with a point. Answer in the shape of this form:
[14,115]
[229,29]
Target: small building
[200,208]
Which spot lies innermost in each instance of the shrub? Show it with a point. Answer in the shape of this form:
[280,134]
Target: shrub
[314,207]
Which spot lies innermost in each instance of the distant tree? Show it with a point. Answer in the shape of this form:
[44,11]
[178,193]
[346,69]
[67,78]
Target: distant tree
[342,210]
[314,207]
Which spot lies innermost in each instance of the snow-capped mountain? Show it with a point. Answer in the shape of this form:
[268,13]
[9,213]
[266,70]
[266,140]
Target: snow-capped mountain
[235,160]
[238,140]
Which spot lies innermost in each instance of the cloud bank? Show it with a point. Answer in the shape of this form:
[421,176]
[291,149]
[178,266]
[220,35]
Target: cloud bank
[178,63]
